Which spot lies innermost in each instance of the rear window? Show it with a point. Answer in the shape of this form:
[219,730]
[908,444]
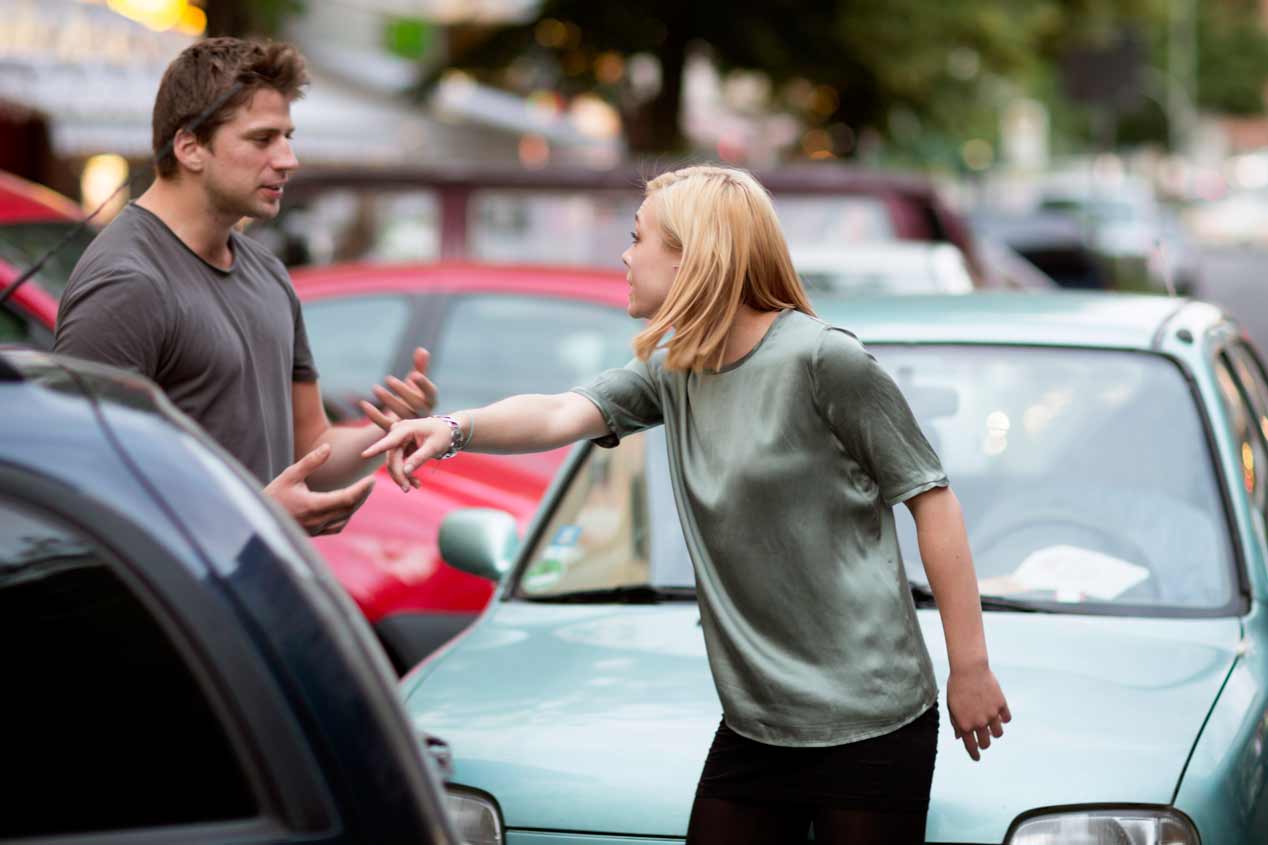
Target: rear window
[23,244]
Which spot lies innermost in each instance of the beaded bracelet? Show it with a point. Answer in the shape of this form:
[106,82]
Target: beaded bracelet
[455,436]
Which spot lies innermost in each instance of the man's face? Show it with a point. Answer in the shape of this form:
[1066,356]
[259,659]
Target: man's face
[250,158]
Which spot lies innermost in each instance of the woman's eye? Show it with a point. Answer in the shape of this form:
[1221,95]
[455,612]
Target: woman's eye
[634,237]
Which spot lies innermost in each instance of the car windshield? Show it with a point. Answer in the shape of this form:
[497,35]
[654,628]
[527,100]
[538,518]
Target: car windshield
[22,244]
[1085,477]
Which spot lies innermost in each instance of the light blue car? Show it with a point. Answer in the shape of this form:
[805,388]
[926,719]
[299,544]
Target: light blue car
[1111,456]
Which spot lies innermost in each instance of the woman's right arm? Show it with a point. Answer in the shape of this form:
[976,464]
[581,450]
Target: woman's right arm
[525,423]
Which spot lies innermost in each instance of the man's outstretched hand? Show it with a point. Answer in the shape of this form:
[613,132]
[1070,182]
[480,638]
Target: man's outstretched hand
[317,513]
[412,397]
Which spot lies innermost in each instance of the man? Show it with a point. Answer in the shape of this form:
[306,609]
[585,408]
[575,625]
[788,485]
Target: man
[171,290]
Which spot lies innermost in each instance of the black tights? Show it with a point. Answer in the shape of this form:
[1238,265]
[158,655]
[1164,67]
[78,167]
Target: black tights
[716,821]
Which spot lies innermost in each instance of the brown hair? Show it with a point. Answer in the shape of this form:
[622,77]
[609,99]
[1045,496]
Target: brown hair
[733,252]
[205,72]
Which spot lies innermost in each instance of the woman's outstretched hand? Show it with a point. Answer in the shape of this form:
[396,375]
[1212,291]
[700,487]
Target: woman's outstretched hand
[978,709]
[408,445]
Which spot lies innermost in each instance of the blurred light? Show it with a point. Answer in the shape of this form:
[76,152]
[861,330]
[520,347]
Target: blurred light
[996,443]
[978,154]
[825,100]
[816,141]
[193,21]
[843,138]
[158,15]
[547,104]
[534,151]
[572,35]
[1248,467]
[457,84]
[1263,426]
[1107,168]
[551,33]
[102,175]
[963,63]
[609,67]
[731,148]
[1251,171]
[998,421]
[594,118]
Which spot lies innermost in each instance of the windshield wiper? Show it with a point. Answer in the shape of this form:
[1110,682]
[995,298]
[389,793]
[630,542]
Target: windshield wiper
[633,594]
[924,598]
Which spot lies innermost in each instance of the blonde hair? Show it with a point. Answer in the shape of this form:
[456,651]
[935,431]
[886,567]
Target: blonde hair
[723,223]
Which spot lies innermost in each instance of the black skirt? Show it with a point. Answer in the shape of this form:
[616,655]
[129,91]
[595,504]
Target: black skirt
[889,773]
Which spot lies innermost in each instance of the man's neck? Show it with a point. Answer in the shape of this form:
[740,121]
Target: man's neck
[185,210]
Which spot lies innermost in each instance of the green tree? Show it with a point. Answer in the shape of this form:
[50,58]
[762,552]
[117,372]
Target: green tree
[880,65]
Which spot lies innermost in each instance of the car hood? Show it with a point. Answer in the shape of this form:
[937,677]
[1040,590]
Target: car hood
[598,718]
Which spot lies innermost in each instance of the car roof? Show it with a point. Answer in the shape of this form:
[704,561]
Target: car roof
[1061,318]
[26,202]
[595,284]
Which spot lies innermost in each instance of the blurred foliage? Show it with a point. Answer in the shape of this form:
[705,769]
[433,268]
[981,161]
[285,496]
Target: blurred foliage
[250,17]
[922,74]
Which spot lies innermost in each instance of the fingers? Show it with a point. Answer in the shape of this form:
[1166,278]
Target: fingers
[393,403]
[382,420]
[396,469]
[307,465]
[970,745]
[430,393]
[422,358]
[328,508]
[983,738]
[997,729]
[394,439]
[1004,713]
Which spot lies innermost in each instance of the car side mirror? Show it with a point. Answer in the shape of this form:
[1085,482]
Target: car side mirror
[481,541]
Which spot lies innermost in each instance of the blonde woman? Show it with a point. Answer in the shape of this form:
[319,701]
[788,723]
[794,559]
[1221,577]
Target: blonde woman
[788,447]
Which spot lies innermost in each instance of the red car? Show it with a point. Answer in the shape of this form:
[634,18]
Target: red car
[492,331]
[33,220]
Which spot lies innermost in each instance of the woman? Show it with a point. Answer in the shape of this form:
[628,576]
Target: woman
[788,448]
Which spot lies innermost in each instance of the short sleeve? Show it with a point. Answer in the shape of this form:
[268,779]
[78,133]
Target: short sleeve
[627,398]
[117,317]
[872,420]
[303,367]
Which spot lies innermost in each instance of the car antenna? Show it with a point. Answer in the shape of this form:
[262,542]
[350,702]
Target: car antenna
[163,153]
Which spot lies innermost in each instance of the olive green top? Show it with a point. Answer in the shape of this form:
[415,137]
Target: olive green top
[785,466]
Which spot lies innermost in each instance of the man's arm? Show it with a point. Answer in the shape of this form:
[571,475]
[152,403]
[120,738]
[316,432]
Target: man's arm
[408,398]
[977,705]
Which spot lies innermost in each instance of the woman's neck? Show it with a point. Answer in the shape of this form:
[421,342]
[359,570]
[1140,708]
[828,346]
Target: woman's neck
[747,330]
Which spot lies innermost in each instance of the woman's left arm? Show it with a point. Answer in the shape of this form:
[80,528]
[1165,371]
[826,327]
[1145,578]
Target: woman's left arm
[977,705]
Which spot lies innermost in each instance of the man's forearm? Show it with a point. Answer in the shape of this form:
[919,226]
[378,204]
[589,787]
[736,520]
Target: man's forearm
[345,464]
[944,549]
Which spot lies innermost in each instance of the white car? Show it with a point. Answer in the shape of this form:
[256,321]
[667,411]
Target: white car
[887,267]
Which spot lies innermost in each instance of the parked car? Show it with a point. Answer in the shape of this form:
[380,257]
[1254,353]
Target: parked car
[178,664]
[1109,452]
[33,220]
[1054,242]
[493,331]
[572,216]
[897,267]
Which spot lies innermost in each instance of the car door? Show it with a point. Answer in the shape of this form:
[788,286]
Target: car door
[118,727]
[493,345]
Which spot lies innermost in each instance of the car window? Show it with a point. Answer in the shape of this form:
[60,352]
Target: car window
[1247,432]
[1072,492]
[22,244]
[494,346]
[818,220]
[355,341]
[105,727]
[583,227]
[13,329]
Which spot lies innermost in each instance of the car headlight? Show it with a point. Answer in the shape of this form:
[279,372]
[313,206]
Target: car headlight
[475,817]
[1106,826]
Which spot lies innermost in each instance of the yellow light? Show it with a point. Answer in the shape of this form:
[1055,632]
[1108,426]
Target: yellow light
[158,15]
[1248,467]
[193,21]
[609,67]
[102,175]
[978,154]
[534,151]
[551,33]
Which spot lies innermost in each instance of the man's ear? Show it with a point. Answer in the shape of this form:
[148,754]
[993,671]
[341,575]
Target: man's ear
[188,152]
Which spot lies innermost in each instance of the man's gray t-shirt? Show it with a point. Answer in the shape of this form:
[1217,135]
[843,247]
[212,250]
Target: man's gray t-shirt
[225,345]
[786,466]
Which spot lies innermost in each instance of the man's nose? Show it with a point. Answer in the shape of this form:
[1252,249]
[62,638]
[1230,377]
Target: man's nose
[285,158]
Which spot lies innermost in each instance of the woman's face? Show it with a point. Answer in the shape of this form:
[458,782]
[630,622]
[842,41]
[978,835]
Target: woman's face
[650,264]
